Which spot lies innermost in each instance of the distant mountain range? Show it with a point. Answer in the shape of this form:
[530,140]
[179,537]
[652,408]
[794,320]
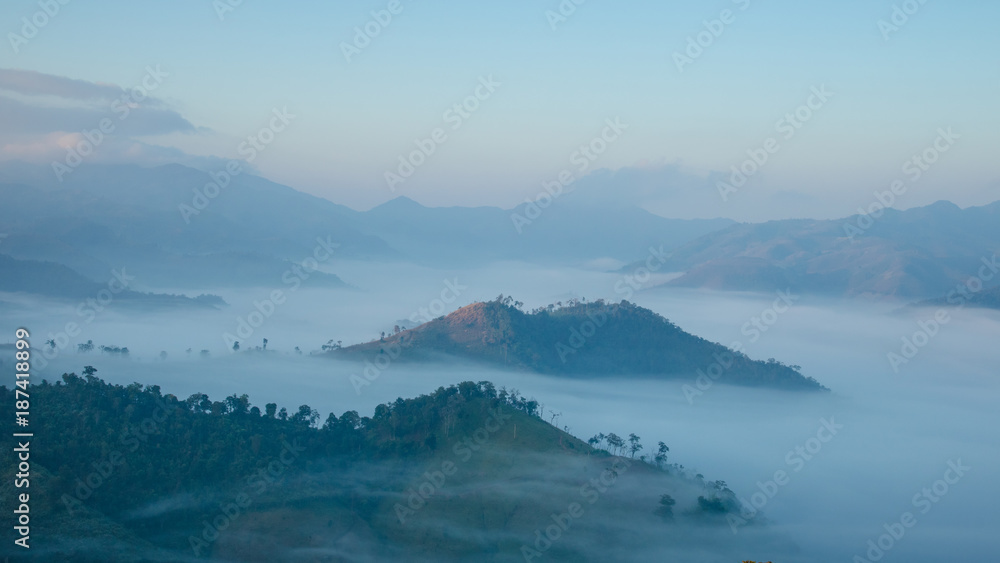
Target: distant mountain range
[594,339]
[56,281]
[912,254]
[174,229]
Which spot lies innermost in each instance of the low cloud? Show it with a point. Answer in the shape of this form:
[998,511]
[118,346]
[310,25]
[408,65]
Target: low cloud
[44,115]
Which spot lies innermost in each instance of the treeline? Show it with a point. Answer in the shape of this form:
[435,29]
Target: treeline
[156,444]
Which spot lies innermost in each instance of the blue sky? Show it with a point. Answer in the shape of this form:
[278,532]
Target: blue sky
[354,119]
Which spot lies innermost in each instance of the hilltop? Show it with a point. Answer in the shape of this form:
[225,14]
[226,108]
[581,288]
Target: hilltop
[580,339]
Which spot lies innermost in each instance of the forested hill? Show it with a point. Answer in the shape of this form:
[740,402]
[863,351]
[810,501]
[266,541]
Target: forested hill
[126,473]
[585,339]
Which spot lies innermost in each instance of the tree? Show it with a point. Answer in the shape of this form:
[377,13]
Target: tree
[51,343]
[634,445]
[265,344]
[712,506]
[306,416]
[89,371]
[661,454]
[270,409]
[331,422]
[666,508]
[615,443]
[205,353]
[237,404]
[236,346]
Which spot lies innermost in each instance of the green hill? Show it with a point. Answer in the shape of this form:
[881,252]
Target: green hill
[581,339]
[467,473]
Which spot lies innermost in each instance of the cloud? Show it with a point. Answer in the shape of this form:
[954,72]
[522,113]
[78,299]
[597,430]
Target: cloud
[45,115]
[24,118]
[53,147]
[31,83]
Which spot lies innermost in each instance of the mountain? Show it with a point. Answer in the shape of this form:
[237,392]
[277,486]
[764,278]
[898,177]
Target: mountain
[581,339]
[105,217]
[169,225]
[56,281]
[566,232]
[910,254]
[466,473]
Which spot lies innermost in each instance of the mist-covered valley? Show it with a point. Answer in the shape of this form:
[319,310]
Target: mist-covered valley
[853,460]
[341,282]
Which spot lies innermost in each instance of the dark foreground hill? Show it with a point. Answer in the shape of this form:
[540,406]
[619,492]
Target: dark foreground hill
[467,473]
[582,339]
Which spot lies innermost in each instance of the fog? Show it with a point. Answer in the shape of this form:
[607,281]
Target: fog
[900,429]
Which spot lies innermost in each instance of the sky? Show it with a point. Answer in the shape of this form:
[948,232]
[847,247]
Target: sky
[549,76]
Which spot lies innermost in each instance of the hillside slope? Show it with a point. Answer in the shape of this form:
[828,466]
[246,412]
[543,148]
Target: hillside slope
[582,339]
[467,473]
